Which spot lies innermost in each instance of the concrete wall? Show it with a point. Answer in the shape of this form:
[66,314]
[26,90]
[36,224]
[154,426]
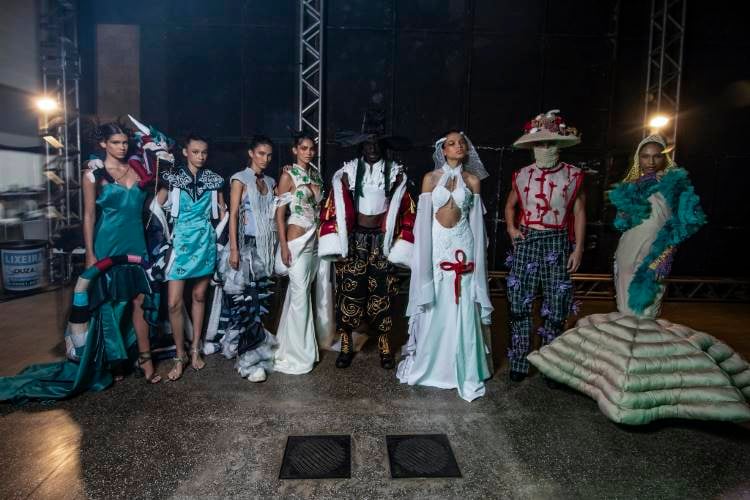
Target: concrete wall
[19,73]
[19,64]
[118,83]
[19,84]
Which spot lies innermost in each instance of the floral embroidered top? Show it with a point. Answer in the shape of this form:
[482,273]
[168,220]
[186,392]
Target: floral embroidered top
[303,202]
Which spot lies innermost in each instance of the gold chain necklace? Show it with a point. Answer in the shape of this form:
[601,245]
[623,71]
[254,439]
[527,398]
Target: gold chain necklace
[117,179]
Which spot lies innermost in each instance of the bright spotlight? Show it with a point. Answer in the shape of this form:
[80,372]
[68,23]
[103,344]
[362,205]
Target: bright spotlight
[46,104]
[658,122]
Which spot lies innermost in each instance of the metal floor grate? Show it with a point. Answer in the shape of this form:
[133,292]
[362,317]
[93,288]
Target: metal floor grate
[316,457]
[421,455]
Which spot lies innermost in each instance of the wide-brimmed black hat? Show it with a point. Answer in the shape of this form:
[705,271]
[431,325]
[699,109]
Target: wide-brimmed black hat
[373,130]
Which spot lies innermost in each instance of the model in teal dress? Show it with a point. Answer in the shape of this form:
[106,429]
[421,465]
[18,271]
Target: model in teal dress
[122,301]
[192,195]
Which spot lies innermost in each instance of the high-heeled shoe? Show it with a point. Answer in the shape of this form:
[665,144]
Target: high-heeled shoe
[143,358]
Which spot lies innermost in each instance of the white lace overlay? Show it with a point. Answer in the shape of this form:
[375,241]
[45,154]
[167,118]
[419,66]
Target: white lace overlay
[446,241]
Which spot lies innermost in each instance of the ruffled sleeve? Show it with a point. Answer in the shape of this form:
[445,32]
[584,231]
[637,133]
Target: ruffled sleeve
[687,213]
[284,199]
[396,170]
[350,170]
[687,218]
[96,171]
[631,204]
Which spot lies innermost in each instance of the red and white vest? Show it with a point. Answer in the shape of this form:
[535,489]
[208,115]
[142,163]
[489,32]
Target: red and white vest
[546,196]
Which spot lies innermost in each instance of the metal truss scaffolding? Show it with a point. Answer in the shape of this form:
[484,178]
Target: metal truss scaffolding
[310,86]
[61,71]
[665,50]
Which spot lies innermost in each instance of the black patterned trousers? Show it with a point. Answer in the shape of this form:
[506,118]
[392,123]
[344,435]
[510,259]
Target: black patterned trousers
[539,261]
[365,284]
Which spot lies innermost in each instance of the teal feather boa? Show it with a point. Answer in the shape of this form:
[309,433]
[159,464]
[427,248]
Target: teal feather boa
[633,207]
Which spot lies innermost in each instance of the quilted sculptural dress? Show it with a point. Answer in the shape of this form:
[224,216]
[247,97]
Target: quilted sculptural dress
[637,367]
[640,369]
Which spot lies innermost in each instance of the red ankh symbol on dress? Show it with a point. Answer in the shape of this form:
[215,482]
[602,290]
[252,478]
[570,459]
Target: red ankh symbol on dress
[459,267]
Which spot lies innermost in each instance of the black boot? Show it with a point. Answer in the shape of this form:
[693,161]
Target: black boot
[386,356]
[517,376]
[344,359]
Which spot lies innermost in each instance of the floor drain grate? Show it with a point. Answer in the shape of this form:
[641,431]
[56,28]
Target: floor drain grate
[421,455]
[317,457]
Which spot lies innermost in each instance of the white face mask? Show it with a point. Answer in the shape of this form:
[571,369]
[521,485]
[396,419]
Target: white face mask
[547,157]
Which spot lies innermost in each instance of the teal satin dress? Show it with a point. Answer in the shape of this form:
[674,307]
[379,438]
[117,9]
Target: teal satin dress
[194,242]
[193,199]
[111,336]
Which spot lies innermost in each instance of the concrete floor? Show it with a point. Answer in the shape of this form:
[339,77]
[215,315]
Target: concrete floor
[213,434]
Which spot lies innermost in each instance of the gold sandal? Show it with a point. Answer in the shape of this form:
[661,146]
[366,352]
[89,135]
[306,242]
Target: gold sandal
[177,361]
[195,352]
[143,358]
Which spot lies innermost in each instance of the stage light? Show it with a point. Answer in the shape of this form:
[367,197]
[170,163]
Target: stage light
[46,104]
[658,122]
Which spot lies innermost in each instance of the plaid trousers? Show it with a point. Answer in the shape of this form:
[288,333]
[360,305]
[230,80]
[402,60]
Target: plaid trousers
[540,258]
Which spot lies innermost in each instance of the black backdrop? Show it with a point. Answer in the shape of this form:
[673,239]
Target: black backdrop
[229,69]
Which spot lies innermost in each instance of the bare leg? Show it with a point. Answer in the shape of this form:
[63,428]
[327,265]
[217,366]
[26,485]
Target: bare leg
[198,311]
[176,305]
[144,346]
